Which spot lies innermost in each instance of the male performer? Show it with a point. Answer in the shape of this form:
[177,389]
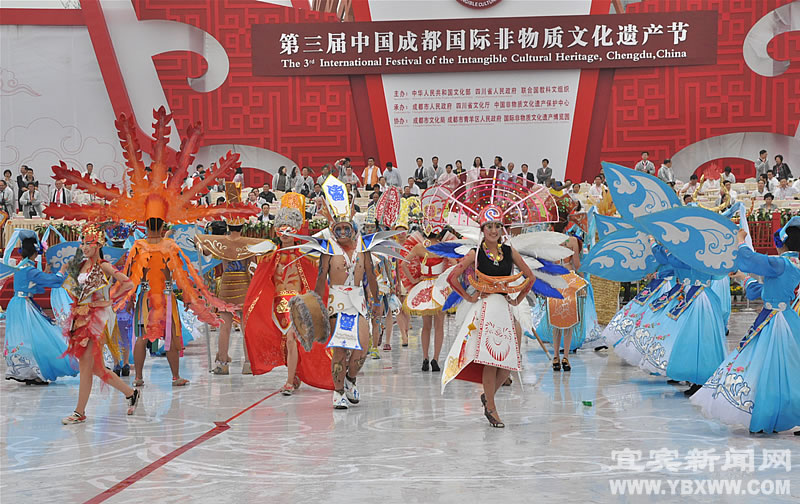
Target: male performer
[343,267]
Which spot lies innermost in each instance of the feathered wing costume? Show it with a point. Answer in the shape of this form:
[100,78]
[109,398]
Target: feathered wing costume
[266,304]
[155,192]
[487,334]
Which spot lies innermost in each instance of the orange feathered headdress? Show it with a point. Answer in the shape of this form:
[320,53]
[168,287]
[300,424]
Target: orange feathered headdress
[155,192]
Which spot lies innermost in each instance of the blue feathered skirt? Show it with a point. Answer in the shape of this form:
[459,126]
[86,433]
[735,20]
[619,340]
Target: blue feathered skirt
[757,384]
[34,344]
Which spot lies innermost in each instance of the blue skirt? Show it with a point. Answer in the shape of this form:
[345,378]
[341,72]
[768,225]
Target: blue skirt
[639,345]
[34,344]
[756,385]
[700,346]
[722,288]
[586,330]
[624,321]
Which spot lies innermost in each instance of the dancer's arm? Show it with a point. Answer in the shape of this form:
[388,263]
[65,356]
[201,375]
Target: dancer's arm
[322,276]
[750,261]
[452,278]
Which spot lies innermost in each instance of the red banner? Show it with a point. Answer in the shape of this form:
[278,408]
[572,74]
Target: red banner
[463,45]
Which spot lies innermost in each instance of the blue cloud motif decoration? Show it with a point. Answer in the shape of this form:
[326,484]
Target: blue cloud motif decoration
[336,192]
[182,234]
[703,239]
[636,193]
[60,253]
[623,256]
[113,254]
[607,225]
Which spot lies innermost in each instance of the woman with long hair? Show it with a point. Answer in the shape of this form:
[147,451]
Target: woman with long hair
[33,342]
[91,321]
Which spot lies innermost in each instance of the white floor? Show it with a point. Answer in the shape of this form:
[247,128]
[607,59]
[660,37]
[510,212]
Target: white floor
[405,442]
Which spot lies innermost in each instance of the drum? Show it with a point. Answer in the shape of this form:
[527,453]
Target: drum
[310,318]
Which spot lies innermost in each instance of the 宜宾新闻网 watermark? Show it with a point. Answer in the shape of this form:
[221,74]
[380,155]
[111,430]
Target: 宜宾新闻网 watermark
[696,464]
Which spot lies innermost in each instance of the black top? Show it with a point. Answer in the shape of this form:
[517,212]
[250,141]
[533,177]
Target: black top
[503,268]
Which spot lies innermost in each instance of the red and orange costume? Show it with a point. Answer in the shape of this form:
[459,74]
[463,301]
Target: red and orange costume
[279,277]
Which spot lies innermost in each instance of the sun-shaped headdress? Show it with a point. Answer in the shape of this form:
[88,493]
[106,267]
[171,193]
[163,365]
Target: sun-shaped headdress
[154,191]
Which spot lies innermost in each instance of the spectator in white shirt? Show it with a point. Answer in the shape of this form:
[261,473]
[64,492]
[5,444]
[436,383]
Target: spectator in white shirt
[733,194]
[371,174]
[415,191]
[596,189]
[392,176]
[437,170]
[761,189]
[61,194]
[350,178]
[326,170]
[666,174]
[646,166]
[796,185]
[691,186]
[772,181]
[90,171]
[6,198]
[31,202]
[265,216]
[317,193]
[449,179]
[574,191]
[238,178]
[785,191]
[304,184]
[727,175]
[382,185]
[761,164]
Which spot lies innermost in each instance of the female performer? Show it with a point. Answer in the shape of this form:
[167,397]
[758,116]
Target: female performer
[91,320]
[755,385]
[490,316]
[33,342]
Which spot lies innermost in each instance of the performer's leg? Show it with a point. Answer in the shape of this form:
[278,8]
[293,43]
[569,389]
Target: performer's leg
[427,321]
[85,365]
[387,335]
[224,337]
[291,357]
[402,323]
[358,357]
[438,335]
[490,384]
[139,355]
[338,369]
[174,360]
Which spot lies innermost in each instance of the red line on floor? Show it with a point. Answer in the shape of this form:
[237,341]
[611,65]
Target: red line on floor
[138,475]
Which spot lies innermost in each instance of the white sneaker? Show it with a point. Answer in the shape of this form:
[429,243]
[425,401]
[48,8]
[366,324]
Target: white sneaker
[340,401]
[351,391]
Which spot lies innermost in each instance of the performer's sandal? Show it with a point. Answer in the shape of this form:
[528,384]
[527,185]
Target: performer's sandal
[556,364]
[492,420]
[287,390]
[138,382]
[133,401]
[296,383]
[74,418]
[565,364]
[180,382]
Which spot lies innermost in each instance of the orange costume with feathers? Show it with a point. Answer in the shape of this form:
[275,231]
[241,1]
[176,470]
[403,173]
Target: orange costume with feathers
[156,193]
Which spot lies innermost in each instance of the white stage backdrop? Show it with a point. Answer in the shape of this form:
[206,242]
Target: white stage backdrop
[517,123]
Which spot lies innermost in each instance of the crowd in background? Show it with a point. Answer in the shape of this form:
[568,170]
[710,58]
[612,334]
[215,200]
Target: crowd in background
[774,184]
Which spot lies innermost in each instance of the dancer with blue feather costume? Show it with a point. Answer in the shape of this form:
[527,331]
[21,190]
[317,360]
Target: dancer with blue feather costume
[682,333]
[756,384]
[34,343]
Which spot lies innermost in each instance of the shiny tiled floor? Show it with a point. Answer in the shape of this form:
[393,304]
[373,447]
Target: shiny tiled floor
[404,443]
